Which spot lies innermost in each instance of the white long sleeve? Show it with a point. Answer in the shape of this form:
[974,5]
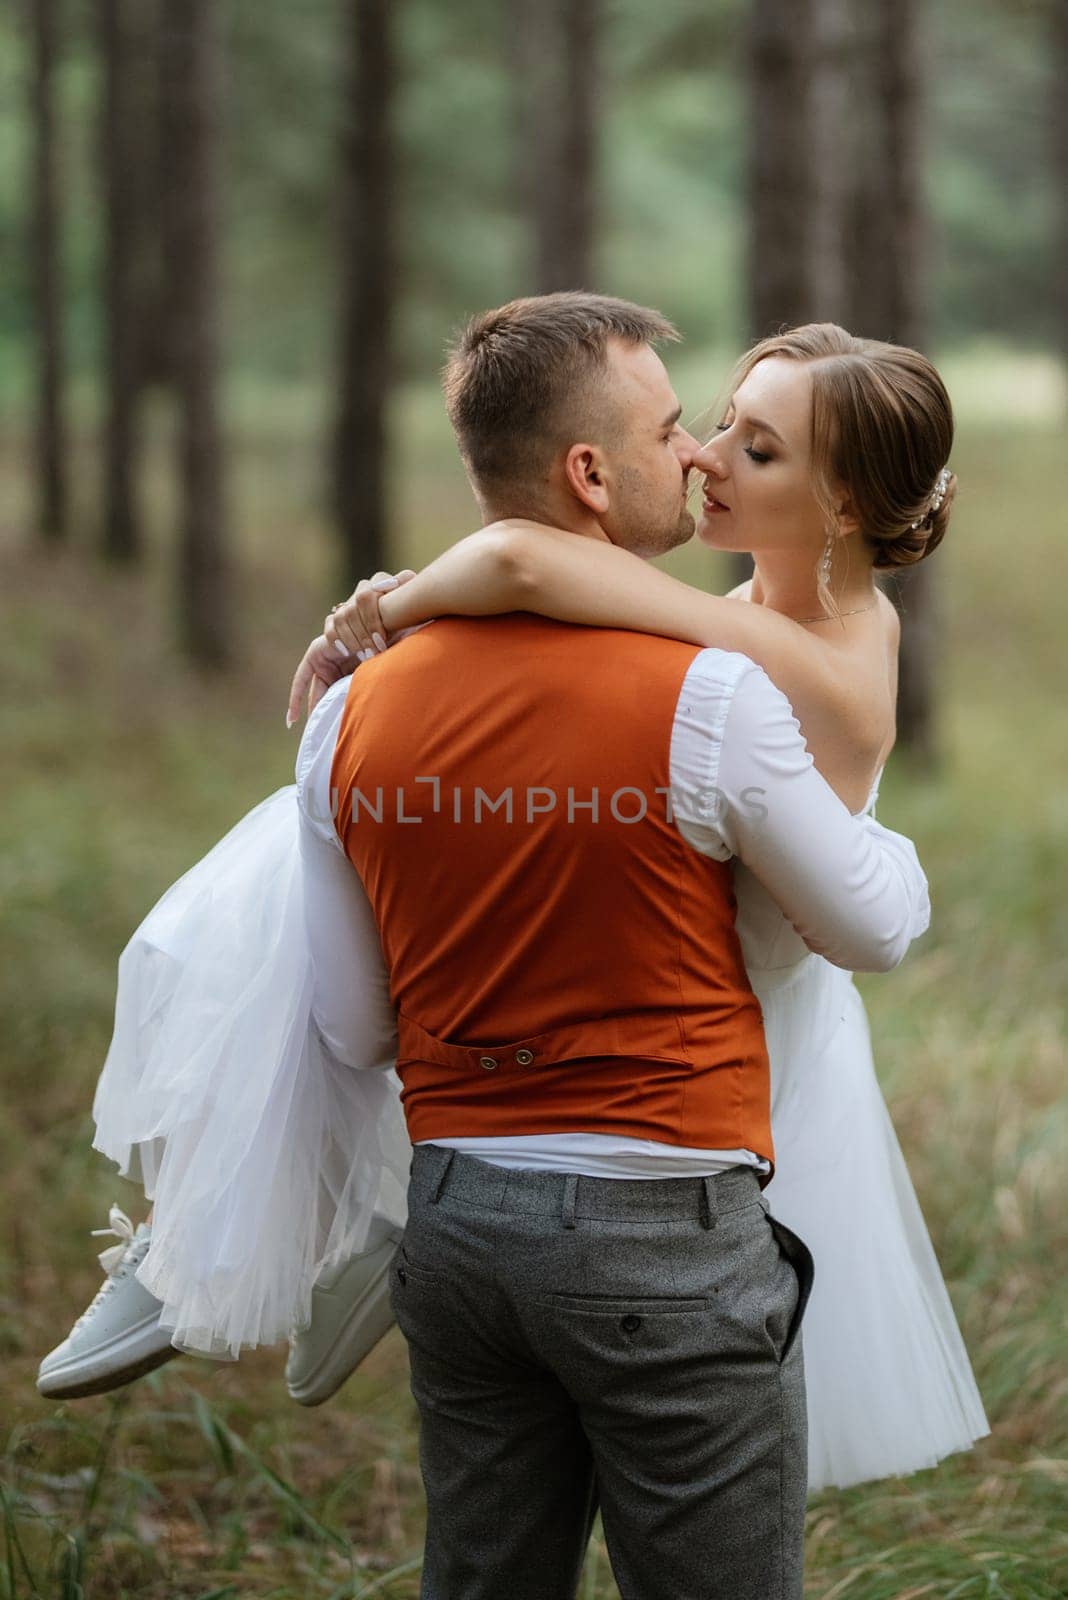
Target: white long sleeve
[744,784]
[351,1005]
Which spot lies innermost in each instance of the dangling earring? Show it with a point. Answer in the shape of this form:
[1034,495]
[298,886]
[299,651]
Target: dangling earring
[823,571]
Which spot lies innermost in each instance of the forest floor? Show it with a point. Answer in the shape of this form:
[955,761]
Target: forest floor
[122,767]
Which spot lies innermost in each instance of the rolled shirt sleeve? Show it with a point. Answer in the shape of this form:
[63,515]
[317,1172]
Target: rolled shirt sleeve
[744,784]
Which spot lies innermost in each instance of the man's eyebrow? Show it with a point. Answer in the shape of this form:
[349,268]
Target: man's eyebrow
[674,417]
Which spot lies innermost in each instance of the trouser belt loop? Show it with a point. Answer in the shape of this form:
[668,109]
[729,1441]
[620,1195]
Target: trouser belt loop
[439,1181]
[567,1209]
[708,1203]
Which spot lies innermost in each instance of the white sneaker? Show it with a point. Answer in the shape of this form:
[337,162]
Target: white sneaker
[350,1313]
[118,1337]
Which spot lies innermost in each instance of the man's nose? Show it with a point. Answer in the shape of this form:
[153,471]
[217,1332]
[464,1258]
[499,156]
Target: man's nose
[686,450]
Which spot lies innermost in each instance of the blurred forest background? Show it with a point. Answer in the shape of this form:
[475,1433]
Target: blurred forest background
[235,239]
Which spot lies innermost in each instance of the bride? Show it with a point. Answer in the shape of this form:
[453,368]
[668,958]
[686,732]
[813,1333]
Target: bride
[829,464]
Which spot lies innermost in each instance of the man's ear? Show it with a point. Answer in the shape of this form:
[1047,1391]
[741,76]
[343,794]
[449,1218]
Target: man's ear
[586,476]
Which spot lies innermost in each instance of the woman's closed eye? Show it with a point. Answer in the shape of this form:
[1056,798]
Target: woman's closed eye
[758,456]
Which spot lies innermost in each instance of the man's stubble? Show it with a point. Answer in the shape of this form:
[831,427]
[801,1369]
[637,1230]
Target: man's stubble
[645,529]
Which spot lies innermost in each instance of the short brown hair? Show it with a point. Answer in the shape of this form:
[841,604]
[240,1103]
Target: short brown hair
[882,429]
[517,377]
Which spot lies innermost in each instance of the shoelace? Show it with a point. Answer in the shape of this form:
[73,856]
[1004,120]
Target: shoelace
[129,1249]
[119,1227]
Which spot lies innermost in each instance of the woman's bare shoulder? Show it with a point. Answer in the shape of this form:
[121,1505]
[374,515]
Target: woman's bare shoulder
[841,685]
[890,616]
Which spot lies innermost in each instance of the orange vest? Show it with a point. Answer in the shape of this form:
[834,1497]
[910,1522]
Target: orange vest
[561,959]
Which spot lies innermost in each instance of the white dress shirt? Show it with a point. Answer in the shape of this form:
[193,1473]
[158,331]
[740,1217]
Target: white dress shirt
[744,785]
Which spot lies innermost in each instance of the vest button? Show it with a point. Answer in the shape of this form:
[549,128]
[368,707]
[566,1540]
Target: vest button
[523,1058]
[630,1324]
[489,1062]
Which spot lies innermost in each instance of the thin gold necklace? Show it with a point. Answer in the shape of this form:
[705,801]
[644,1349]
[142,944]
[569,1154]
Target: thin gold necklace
[804,621]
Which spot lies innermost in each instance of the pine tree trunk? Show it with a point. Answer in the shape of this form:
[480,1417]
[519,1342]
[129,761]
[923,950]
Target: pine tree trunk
[901,99]
[555,70]
[566,234]
[121,539]
[155,337]
[1059,127]
[195,70]
[828,141]
[888,232]
[530,55]
[368,177]
[50,442]
[898,64]
[781,193]
[166,154]
[780,165]
[535,38]
[869,224]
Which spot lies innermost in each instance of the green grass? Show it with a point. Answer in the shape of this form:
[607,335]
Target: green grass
[122,768]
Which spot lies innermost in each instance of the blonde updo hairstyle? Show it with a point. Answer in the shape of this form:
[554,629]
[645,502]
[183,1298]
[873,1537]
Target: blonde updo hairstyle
[882,430]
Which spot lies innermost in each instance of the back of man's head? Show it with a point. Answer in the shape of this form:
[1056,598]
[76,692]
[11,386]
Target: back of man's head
[525,381]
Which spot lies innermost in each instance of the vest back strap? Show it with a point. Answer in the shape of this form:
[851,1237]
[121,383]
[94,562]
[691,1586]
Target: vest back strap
[648,1036]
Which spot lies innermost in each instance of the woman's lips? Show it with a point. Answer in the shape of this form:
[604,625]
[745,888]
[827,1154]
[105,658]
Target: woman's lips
[713,507]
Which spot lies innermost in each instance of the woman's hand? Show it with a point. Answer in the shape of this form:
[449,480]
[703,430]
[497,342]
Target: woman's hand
[355,627]
[320,666]
[352,632]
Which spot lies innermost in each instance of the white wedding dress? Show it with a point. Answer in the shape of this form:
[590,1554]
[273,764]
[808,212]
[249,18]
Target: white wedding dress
[889,1385]
[266,1159]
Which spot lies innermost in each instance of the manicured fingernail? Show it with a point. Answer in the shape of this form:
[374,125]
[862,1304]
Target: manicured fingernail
[379,642]
[290,719]
[364,655]
[341,649]
[383,585]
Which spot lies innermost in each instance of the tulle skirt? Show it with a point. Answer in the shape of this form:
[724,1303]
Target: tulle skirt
[889,1384]
[266,1159]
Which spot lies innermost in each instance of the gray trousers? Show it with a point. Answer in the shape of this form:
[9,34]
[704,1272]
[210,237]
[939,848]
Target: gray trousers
[630,1345]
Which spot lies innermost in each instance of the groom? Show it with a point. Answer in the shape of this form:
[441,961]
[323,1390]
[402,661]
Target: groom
[540,818]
